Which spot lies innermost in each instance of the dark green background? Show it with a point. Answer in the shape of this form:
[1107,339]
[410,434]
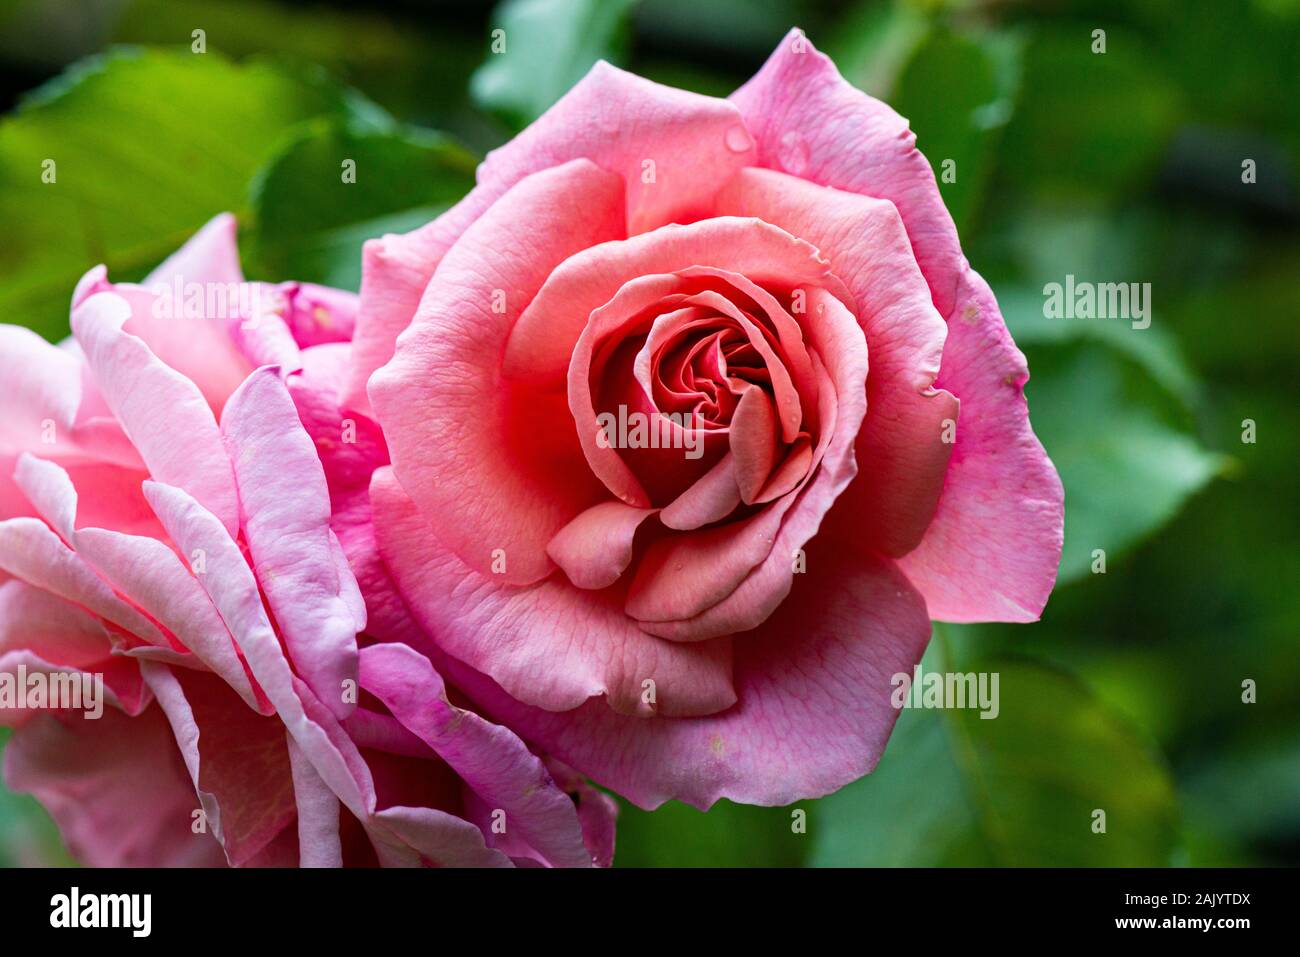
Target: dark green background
[1122,166]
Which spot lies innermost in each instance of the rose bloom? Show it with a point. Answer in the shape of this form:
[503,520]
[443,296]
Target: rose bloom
[168,525]
[773,283]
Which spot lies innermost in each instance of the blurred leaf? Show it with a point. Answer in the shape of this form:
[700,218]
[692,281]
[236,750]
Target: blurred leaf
[147,146]
[874,42]
[1125,468]
[1088,123]
[1154,348]
[958,92]
[415,63]
[548,46]
[1017,790]
[28,838]
[311,224]
[727,835]
[1249,793]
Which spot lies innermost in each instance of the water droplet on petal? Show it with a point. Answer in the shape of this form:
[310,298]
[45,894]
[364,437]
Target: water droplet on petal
[792,153]
[738,139]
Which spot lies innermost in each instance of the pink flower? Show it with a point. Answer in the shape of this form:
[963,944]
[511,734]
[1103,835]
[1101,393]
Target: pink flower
[771,287]
[168,526]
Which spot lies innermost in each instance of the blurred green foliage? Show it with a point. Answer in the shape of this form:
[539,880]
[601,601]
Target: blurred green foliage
[1122,166]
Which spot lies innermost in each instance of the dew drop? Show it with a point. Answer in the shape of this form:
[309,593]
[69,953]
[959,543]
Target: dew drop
[738,139]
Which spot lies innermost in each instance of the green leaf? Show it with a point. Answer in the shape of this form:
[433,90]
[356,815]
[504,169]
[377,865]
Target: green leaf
[548,46]
[727,835]
[312,221]
[958,92]
[1126,469]
[1016,790]
[146,147]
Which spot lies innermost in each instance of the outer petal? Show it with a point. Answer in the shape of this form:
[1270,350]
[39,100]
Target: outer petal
[622,122]
[96,777]
[319,842]
[395,269]
[144,569]
[995,544]
[286,510]
[41,630]
[184,446]
[400,835]
[550,644]
[489,758]
[489,467]
[813,710]
[204,271]
[1010,540]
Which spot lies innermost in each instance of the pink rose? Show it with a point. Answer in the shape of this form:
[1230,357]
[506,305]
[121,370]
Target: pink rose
[771,285]
[168,525]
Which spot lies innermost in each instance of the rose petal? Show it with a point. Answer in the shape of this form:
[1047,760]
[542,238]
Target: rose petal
[813,710]
[596,547]
[490,469]
[95,777]
[235,757]
[996,534]
[182,448]
[672,148]
[900,449]
[286,507]
[489,758]
[550,644]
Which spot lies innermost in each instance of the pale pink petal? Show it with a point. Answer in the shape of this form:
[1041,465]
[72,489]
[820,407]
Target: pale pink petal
[210,255]
[319,844]
[143,569]
[399,835]
[31,551]
[286,515]
[182,447]
[200,285]
[489,468]
[551,644]
[38,623]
